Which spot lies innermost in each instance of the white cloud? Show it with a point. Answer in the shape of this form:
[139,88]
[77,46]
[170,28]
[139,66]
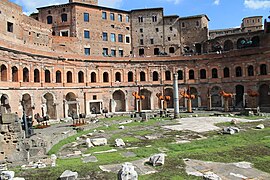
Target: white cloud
[216,2]
[110,3]
[174,1]
[31,5]
[257,4]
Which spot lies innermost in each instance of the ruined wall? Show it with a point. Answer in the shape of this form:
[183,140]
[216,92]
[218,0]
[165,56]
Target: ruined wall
[147,24]
[172,35]
[20,29]
[194,31]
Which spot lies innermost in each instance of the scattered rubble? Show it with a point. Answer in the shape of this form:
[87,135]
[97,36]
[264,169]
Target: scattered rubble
[127,172]
[157,159]
[260,126]
[119,143]
[230,130]
[99,141]
[69,175]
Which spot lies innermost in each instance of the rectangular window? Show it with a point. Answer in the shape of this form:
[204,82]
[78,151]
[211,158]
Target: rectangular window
[104,15]
[127,39]
[105,36]
[127,28]
[112,16]
[140,19]
[154,18]
[141,41]
[157,29]
[127,18]
[86,17]
[141,30]
[86,34]
[112,37]
[121,53]
[87,51]
[105,52]
[169,38]
[120,17]
[9,27]
[120,38]
[94,97]
[170,28]
[113,52]
[152,41]
[64,33]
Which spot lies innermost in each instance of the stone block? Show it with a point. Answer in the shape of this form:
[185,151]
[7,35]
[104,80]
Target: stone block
[69,175]
[9,118]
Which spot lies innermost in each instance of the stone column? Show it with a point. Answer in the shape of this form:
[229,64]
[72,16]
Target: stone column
[209,103]
[175,95]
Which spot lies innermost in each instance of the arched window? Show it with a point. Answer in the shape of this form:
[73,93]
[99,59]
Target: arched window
[117,77]
[105,77]
[25,75]
[49,20]
[93,77]
[228,45]
[64,17]
[180,75]
[191,74]
[36,76]
[80,77]
[3,73]
[171,50]
[69,77]
[202,74]
[226,72]
[255,41]
[155,76]
[47,76]
[241,43]
[263,69]
[156,51]
[15,77]
[214,73]
[142,76]
[58,77]
[130,76]
[168,76]
[250,70]
[238,71]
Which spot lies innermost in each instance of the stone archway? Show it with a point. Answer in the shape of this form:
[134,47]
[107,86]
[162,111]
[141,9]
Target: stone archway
[119,101]
[5,107]
[216,100]
[50,108]
[71,105]
[239,96]
[169,92]
[146,103]
[27,104]
[264,98]
[195,102]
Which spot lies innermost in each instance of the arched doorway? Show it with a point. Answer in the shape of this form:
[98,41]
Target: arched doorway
[5,107]
[169,92]
[146,103]
[3,73]
[119,101]
[195,102]
[71,105]
[50,109]
[239,97]
[228,45]
[264,98]
[27,103]
[215,97]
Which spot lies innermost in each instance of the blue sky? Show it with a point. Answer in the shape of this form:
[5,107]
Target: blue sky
[222,13]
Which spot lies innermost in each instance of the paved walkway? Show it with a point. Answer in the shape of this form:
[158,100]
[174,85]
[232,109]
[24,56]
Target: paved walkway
[202,124]
[225,171]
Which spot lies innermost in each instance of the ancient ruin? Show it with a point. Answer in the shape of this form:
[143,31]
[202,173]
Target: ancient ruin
[55,67]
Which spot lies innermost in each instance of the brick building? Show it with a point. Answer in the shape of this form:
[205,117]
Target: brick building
[80,56]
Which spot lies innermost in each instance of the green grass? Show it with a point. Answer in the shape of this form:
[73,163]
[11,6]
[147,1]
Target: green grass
[250,145]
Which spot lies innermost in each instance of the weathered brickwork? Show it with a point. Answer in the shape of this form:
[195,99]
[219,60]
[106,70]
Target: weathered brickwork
[51,71]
